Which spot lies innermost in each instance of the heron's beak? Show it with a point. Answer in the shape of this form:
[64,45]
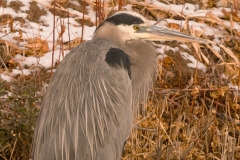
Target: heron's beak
[156,33]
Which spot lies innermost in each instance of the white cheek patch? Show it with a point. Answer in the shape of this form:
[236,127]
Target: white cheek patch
[126,32]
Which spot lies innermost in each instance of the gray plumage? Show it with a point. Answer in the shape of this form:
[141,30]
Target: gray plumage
[86,109]
[142,55]
[86,113]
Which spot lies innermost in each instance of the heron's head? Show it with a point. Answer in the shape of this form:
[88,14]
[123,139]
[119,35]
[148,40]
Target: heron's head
[126,26]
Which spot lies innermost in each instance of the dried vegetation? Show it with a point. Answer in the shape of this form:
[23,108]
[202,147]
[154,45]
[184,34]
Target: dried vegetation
[191,114]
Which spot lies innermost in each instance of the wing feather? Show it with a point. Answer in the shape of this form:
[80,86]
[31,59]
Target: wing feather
[86,112]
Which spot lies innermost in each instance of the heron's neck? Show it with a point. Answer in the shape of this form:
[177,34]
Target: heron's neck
[143,61]
[143,68]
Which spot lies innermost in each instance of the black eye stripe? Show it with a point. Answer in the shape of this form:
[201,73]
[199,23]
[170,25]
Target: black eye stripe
[123,19]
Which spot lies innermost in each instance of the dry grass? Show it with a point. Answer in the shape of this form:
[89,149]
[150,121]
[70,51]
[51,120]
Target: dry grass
[190,114]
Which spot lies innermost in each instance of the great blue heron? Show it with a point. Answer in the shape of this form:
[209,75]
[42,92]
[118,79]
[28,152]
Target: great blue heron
[87,110]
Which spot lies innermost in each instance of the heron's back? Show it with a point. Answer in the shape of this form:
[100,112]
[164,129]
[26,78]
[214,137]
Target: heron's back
[87,109]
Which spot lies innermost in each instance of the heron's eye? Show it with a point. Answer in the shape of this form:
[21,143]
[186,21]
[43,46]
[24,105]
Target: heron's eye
[136,28]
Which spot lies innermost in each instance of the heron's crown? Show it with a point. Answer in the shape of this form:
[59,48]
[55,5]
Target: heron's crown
[125,18]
